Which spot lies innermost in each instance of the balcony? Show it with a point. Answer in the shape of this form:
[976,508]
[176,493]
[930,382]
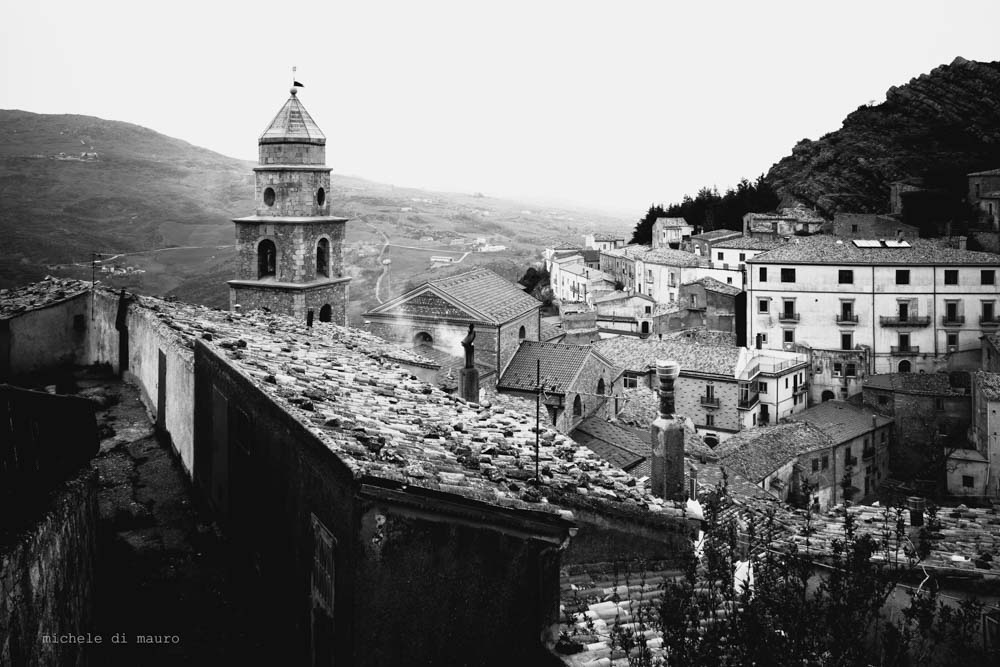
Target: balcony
[709,401]
[846,318]
[868,454]
[788,317]
[993,321]
[953,321]
[851,461]
[903,351]
[749,402]
[908,321]
[801,389]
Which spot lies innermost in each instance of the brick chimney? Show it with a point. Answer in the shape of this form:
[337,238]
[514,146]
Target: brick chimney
[667,438]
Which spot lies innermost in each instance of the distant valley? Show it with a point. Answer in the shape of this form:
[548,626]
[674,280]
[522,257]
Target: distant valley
[159,212]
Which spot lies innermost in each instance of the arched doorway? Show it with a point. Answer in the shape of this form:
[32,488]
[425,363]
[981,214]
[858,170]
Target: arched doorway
[712,440]
[577,406]
[267,258]
[325,313]
[423,338]
[644,328]
[905,366]
[828,396]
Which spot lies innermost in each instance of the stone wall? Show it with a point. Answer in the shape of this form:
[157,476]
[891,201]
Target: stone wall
[291,153]
[296,192]
[24,351]
[292,301]
[586,388]
[47,579]
[688,392]
[509,339]
[296,249]
[447,336]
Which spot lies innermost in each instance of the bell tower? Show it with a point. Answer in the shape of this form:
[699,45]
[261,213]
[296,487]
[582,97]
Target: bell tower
[290,252]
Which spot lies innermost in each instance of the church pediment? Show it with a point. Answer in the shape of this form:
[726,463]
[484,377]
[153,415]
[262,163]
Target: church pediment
[426,304]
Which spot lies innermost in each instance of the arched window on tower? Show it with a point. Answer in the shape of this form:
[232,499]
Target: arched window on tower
[323,258]
[600,386]
[267,258]
[520,333]
[577,406]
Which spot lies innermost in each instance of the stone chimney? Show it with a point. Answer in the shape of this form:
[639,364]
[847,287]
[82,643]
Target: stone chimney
[666,435]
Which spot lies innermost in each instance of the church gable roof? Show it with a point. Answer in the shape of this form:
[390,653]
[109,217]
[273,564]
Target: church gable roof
[293,124]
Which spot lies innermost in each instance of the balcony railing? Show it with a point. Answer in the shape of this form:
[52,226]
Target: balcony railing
[851,461]
[788,317]
[908,321]
[910,349]
[846,318]
[749,402]
[989,321]
[709,402]
[801,389]
[953,321]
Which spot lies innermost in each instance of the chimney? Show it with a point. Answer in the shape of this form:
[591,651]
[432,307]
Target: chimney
[760,341]
[667,438]
[916,505]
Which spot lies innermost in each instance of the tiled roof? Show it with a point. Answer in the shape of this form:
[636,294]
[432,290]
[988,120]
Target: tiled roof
[627,252]
[608,236]
[704,336]
[672,222]
[989,385]
[293,124]
[994,339]
[671,257]
[713,285]
[567,245]
[591,255]
[551,328]
[799,213]
[490,294]
[560,364]
[747,243]
[757,452]
[840,421]
[637,354]
[936,384]
[614,444]
[988,172]
[342,385]
[585,272]
[14,302]
[832,250]
[717,234]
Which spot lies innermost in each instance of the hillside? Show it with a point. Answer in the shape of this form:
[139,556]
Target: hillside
[940,126]
[74,185]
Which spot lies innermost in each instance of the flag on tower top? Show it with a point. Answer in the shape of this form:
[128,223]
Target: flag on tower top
[296,84]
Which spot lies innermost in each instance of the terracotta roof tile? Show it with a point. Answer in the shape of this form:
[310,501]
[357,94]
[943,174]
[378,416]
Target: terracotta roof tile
[14,302]
[747,243]
[989,385]
[832,250]
[488,293]
[757,452]
[560,365]
[713,285]
[637,354]
[841,421]
[936,384]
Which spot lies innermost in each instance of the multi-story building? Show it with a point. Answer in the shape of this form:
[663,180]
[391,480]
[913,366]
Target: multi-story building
[702,244]
[659,272]
[787,222]
[872,226]
[895,306]
[671,233]
[977,474]
[722,389]
[604,241]
[982,183]
[572,281]
[991,352]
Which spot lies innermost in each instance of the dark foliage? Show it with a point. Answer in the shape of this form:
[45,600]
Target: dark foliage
[709,210]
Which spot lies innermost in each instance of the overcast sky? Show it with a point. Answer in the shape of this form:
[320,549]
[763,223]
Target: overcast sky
[606,104]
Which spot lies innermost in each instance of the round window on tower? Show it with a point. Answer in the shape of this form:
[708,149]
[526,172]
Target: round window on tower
[269,196]
[320,197]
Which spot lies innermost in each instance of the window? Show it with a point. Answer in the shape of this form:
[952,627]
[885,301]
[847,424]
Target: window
[942,428]
[789,335]
[630,381]
[952,339]
[854,228]
[577,406]
[847,311]
[815,464]
[729,281]
[763,305]
[269,196]
[320,197]
[600,387]
[266,258]
[763,274]
[882,400]
[904,311]
[951,276]
[521,333]
[851,370]
[826,462]
[710,392]
[939,404]
[905,366]
[838,369]
[846,341]
[904,342]
[987,277]
[763,339]
[709,420]
[743,257]
[988,311]
[762,387]
[882,435]
[788,275]
[648,310]
[951,311]
[845,276]
[719,256]
[323,258]
[968,481]
[788,309]
[902,276]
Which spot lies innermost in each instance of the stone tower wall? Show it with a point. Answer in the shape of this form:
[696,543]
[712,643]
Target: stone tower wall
[295,192]
[296,245]
[290,153]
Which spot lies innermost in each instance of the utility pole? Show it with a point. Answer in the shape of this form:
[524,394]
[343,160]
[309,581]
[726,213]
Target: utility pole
[538,409]
[94,257]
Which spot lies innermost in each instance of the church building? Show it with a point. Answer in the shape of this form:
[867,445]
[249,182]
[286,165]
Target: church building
[290,252]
